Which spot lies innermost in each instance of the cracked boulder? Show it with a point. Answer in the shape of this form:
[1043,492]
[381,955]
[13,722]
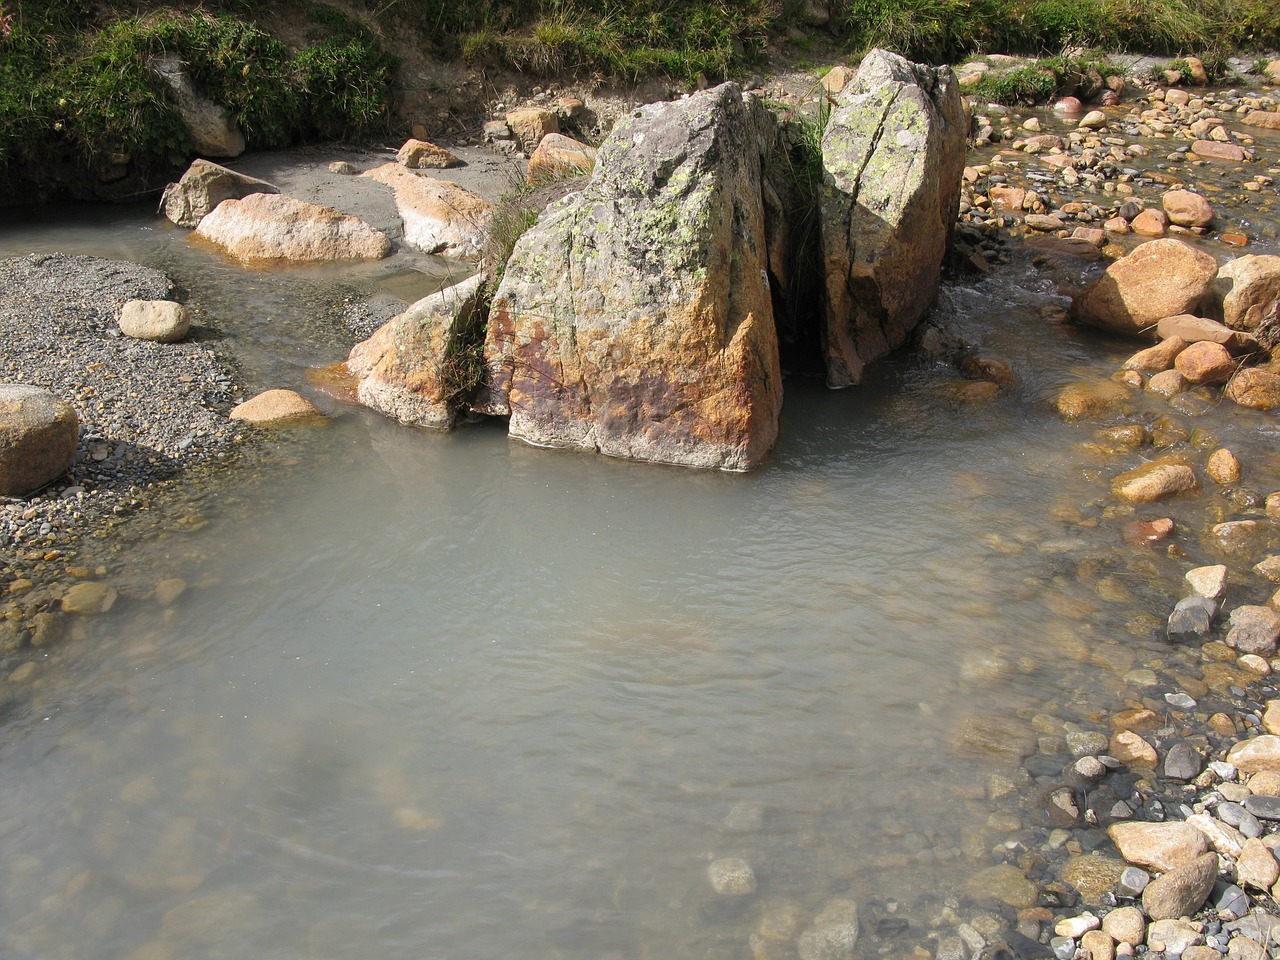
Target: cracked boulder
[893,154]
[635,317]
[417,367]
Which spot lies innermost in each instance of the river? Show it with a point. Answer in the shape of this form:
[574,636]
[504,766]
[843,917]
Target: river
[452,696]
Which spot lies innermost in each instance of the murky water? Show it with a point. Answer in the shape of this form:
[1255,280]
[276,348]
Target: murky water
[451,696]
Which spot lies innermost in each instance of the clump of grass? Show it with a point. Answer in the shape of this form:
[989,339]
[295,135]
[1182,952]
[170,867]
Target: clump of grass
[1023,85]
[519,210]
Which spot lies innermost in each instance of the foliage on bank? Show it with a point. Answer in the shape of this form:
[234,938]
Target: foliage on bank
[78,94]
[684,38]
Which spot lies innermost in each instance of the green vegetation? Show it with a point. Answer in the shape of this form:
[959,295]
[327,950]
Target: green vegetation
[630,38]
[1046,78]
[79,97]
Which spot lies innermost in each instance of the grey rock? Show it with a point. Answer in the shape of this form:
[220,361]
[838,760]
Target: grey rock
[1192,619]
[834,934]
[1230,813]
[1064,948]
[1224,771]
[732,877]
[213,133]
[951,948]
[1263,807]
[1229,898]
[1182,762]
[1084,743]
[1132,882]
[1180,701]
[745,817]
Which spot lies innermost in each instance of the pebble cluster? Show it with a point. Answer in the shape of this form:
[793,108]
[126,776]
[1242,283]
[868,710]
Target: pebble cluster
[146,411]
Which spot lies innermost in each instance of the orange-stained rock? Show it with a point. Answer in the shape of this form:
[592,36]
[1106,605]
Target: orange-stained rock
[422,154]
[1187,209]
[893,156]
[1252,387]
[263,227]
[1205,362]
[439,216]
[1223,466]
[635,317]
[1154,481]
[1158,358]
[1158,279]
[1150,223]
[275,407]
[419,367]
[531,124]
[559,156]
[1267,119]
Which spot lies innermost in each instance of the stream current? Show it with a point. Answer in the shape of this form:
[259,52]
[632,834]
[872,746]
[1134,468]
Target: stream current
[452,696]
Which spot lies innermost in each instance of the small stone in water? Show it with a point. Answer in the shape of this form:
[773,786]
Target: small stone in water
[1192,619]
[745,817]
[1064,948]
[1180,700]
[732,877]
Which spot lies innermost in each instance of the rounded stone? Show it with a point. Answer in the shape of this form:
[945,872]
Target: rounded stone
[1187,209]
[38,434]
[1126,925]
[1223,467]
[159,321]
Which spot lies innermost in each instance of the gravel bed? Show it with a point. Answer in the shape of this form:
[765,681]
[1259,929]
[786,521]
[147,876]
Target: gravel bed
[146,410]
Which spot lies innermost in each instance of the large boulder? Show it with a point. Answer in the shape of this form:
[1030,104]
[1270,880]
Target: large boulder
[1157,279]
[439,216]
[893,155]
[418,366]
[205,185]
[38,434]
[635,317]
[276,227]
[213,132]
[1245,292]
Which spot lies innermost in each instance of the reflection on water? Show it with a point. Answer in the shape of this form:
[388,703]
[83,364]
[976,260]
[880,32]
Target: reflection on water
[450,696]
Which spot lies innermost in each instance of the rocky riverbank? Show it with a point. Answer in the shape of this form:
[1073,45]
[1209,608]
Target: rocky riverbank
[1053,882]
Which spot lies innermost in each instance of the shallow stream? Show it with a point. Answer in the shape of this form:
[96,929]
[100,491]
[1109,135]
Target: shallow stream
[451,696]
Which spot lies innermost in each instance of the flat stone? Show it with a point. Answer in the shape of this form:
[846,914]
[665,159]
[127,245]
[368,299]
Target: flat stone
[1212,150]
[1080,400]
[1157,359]
[274,408]
[1175,935]
[1222,837]
[1182,762]
[89,598]
[422,154]
[1159,846]
[268,227]
[1193,329]
[1256,866]
[1003,883]
[834,933]
[1263,806]
[1266,119]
